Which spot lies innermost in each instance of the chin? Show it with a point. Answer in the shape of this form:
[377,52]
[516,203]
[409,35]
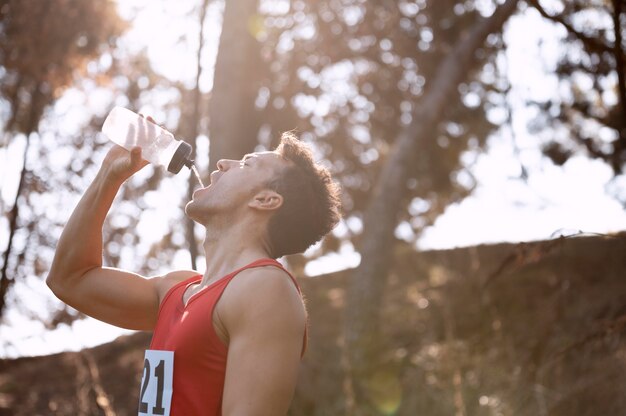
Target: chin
[195,212]
[190,210]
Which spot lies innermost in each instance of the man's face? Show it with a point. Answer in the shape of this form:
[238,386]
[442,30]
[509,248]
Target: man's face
[234,184]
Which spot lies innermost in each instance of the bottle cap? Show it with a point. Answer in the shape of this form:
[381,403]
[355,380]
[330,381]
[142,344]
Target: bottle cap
[181,158]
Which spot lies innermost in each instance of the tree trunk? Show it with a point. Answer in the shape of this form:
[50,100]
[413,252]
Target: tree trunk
[195,127]
[365,291]
[233,126]
[33,121]
[5,279]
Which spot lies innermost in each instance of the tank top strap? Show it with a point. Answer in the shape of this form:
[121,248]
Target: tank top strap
[271,262]
[180,287]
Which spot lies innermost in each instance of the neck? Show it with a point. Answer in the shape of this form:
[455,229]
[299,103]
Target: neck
[230,245]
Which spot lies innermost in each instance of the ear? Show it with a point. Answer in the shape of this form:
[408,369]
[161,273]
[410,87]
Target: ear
[266,200]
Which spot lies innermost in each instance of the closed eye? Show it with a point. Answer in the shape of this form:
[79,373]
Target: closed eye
[244,161]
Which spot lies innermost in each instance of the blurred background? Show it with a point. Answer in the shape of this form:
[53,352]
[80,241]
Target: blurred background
[447,123]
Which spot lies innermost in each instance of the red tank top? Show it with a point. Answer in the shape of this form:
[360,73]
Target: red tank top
[199,354]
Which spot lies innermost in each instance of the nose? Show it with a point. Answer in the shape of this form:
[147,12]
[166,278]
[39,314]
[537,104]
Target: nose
[224,164]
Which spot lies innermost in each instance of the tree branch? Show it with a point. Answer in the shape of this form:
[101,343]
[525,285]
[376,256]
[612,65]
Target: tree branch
[619,67]
[590,42]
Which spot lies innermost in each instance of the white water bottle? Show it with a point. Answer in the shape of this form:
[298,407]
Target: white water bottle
[158,146]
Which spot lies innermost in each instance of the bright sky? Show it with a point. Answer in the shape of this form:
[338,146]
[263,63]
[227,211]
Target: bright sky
[552,200]
[502,207]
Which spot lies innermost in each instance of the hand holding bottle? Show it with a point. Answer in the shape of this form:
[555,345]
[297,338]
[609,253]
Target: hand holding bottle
[119,164]
[158,145]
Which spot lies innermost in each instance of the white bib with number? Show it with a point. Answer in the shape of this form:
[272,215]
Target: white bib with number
[155,397]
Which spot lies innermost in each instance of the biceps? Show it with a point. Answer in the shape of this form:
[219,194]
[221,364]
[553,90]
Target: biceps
[261,374]
[114,296]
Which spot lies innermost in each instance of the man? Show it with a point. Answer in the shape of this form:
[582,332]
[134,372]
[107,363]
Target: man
[229,341]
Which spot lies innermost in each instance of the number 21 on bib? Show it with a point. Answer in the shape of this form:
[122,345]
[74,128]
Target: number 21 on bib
[155,397]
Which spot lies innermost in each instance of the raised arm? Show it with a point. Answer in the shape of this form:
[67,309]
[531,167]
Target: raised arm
[77,277]
[265,320]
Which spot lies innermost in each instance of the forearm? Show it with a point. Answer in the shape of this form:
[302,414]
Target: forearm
[80,246]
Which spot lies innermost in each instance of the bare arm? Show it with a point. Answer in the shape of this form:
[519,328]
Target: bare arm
[77,276]
[265,319]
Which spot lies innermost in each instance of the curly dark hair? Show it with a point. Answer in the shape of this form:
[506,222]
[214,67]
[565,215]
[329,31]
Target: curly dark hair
[311,200]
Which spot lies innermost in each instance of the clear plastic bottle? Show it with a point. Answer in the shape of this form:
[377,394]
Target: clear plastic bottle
[158,146]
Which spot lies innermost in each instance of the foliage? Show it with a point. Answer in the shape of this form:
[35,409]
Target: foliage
[43,46]
[349,74]
[75,80]
[588,115]
[347,59]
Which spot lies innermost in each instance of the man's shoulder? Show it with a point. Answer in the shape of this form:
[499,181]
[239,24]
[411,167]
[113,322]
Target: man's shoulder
[265,286]
[167,281]
[265,294]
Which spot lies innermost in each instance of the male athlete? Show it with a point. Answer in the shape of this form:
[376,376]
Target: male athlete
[228,342]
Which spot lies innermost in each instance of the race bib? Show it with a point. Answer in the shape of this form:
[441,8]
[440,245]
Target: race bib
[155,397]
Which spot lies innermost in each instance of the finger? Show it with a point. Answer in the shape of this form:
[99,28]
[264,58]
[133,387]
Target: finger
[135,156]
[149,118]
